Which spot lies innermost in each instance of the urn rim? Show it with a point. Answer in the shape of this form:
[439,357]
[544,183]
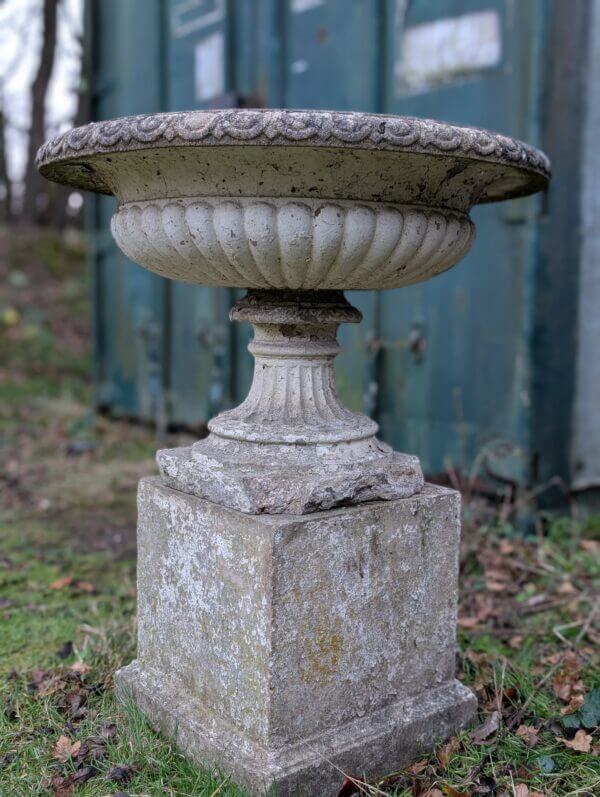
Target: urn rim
[69,158]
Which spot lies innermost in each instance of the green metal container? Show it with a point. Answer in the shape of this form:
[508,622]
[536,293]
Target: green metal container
[474,370]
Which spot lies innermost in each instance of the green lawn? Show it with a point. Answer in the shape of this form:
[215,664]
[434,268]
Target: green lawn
[529,619]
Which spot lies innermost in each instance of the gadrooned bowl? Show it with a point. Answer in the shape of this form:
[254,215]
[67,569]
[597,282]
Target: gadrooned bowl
[293,199]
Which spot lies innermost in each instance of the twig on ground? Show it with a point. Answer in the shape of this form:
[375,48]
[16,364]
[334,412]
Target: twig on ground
[219,787]
[518,715]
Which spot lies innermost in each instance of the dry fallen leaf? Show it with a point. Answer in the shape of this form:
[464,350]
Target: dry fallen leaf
[50,686]
[562,689]
[434,793]
[495,586]
[85,586]
[121,773]
[62,749]
[553,658]
[515,641]
[590,546]
[477,658]
[566,588]
[575,703]
[571,662]
[446,752]
[417,767]
[80,667]
[61,583]
[486,729]
[567,680]
[528,734]
[84,774]
[467,622]
[521,790]
[581,742]
[62,785]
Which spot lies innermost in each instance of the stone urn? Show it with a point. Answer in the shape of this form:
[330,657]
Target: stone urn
[297,579]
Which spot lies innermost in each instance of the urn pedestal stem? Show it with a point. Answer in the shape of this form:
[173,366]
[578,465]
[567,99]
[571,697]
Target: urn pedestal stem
[292,447]
[293,398]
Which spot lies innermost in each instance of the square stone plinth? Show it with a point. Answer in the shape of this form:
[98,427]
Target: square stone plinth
[287,650]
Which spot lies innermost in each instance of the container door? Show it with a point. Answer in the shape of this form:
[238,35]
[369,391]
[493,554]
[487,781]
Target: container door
[314,54]
[455,351]
[198,58]
[129,301]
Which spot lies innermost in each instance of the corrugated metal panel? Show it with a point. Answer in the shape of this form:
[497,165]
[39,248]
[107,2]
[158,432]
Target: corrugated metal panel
[130,301]
[455,363]
[586,439]
[555,303]
[198,59]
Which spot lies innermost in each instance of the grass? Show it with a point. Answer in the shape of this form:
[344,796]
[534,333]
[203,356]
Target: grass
[87,622]
[528,632]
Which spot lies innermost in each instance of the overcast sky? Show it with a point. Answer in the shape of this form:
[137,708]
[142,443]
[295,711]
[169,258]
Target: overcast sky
[20,38]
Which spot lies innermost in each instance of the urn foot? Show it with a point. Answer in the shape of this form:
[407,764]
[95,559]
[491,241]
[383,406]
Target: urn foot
[292,447]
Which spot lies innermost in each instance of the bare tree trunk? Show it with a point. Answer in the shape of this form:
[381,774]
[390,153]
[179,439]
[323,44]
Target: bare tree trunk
[59,194]
[35,211]
[5,185]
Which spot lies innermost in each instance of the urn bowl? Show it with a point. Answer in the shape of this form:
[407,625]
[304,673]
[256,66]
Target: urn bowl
[297,200]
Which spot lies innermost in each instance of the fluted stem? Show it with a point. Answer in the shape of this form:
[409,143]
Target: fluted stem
[293,399]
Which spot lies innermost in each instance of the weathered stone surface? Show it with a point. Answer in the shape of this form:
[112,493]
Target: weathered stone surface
[292,447]
[287,481]
[275,642]
[296,206]
[271,243]
[367,748]
[272,641]
[463,165]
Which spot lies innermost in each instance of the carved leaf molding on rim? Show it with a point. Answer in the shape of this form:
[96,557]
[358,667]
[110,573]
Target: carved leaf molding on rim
[283,244]
[294,128]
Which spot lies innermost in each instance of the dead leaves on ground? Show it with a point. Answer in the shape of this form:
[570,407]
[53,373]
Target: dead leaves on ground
[581,742]
[78,759]
[76,585]
[504,581]
[446,752]
[529,734]
[510,713]
[64,749]
[487,728]
[83,758]
[567,684]
[522,790]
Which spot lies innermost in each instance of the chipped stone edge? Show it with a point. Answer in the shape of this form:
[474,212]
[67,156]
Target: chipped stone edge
[297,491]
[370,746]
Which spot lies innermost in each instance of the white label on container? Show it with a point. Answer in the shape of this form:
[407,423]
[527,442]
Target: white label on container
[189,16]
[441,52]
[209,67]
[298,6]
